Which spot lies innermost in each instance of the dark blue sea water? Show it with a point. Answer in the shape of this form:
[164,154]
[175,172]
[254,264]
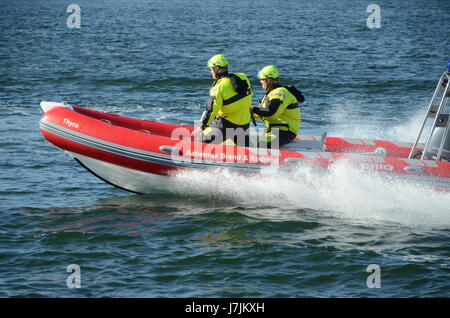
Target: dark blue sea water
[218,235]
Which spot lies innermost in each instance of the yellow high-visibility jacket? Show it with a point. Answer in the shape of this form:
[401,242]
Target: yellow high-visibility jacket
[230,98]
[279,109]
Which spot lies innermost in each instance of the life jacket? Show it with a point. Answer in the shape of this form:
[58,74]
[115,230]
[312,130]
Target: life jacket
[288,115]
[231,98]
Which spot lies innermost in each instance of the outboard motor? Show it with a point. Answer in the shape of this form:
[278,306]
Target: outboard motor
[437,136]
[437,145]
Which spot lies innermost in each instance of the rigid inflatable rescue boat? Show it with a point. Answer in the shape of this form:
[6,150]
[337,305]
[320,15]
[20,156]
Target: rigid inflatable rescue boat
[140,155]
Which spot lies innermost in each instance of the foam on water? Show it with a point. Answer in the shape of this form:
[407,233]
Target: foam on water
[340,192]
[344,122]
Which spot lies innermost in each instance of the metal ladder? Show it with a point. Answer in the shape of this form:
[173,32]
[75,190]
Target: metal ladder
[435,112]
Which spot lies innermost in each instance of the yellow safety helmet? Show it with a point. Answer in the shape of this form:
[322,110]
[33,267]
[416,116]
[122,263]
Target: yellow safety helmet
[268,71]
[218,60]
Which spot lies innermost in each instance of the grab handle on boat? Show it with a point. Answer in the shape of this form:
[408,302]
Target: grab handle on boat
[414,169]
[171,150]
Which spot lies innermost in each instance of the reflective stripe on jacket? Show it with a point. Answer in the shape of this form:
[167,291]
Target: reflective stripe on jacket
[285,115]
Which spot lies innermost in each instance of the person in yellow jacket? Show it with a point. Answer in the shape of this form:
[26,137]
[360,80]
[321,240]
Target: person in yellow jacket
[279,109]
[227,115]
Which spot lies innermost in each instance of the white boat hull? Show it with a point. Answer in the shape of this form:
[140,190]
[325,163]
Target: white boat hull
[124,178]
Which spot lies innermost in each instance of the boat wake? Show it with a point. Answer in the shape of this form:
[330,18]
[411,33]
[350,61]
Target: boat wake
[341,192]
[344,123]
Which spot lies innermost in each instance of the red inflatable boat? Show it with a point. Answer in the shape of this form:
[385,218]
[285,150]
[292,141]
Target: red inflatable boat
[139,155]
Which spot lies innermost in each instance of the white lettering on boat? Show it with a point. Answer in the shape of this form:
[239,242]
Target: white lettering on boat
[371,166]
[232,158]
[70,123]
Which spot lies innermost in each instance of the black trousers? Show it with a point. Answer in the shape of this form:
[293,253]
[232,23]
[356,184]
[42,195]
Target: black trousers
[281,138]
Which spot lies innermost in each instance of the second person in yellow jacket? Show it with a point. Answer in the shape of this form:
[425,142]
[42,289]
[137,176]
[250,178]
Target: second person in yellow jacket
[279,109]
